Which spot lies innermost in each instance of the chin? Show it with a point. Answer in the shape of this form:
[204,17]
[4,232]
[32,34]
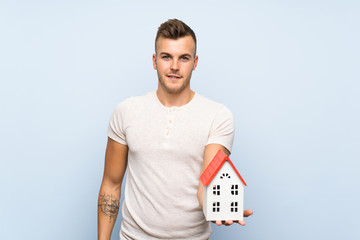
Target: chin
[176,90]
[173,88]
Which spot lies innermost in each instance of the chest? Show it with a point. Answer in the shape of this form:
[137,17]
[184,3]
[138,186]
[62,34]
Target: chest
[176,131]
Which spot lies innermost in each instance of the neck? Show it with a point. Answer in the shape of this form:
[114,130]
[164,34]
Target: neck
[175,99]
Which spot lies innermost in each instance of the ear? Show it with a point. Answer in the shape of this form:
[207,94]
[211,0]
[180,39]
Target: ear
[154,61]
[195,62]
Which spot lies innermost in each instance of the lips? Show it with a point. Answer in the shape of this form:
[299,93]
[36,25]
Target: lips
[173,76]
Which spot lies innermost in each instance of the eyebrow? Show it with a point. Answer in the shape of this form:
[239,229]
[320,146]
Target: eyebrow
[182,55]
[186,55]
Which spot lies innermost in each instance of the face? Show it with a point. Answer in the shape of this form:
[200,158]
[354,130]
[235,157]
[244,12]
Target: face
[174,61]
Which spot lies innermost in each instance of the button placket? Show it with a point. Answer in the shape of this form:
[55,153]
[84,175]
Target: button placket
[170,121]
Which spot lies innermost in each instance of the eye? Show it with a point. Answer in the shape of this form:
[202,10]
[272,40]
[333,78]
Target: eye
[185,58]
[165,57]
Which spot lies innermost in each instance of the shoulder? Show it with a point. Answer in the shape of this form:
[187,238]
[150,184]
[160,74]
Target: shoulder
[205,104]
[134,102]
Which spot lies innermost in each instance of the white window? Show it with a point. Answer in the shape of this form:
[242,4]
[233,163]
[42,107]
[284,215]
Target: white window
[216,206]
[216,189]
[235,189]
[225,175]
[234,207]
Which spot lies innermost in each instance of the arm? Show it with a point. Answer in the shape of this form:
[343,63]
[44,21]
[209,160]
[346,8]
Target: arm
[210,152]
[110,190]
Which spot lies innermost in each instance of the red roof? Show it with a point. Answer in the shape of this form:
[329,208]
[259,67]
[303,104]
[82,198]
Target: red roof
[214,167]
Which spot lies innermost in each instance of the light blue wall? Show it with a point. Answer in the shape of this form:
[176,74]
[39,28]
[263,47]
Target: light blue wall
[289,71]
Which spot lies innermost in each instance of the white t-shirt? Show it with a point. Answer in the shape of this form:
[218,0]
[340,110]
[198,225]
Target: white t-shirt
[166,150]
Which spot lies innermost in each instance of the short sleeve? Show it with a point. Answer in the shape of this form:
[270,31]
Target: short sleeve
[222,129]
[116,129]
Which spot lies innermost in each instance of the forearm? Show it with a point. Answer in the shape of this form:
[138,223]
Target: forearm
[108,208]
[109,195]
[200,194]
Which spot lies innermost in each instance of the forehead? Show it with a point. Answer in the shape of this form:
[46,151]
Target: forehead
[184,45]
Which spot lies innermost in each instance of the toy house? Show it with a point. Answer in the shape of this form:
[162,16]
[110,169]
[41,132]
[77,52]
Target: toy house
[223,193]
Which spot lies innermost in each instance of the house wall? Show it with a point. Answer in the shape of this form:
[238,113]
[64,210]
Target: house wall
[205,202]
[225,198]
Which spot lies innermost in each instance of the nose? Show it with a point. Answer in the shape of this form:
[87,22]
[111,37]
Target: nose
[174,65]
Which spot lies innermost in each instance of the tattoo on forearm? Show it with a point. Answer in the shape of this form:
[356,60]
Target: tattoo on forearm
[109,205]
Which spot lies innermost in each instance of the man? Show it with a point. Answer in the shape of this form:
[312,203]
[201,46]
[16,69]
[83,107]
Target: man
[165,140]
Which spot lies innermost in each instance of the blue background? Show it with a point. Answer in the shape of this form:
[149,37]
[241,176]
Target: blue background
[289,71]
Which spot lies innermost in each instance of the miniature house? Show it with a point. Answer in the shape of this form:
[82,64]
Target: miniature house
[223,193]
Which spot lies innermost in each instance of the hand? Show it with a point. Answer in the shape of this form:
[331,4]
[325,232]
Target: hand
[247,213]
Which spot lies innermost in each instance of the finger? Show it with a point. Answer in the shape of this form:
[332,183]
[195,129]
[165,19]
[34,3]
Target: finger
[218,222]
[248,212]
[228,222]
[242,222]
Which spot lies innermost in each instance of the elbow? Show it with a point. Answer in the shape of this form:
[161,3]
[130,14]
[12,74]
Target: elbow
[110,185]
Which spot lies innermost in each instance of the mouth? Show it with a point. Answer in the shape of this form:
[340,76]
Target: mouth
[173,76]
